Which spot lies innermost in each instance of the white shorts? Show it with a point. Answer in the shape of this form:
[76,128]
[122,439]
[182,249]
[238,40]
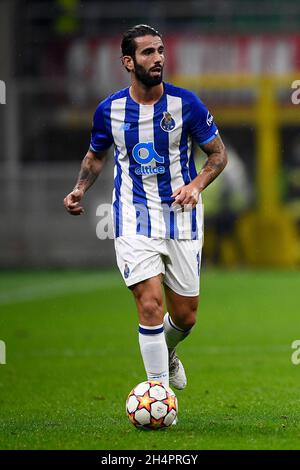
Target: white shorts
[140,258]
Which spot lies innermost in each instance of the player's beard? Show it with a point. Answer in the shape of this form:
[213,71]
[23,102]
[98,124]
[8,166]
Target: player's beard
[145,77]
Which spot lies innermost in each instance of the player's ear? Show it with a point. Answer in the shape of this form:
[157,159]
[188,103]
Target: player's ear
[128,63]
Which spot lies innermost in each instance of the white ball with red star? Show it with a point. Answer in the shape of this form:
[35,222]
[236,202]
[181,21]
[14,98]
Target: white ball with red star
[151,405]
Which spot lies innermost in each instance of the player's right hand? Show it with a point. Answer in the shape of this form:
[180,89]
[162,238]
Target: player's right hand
[72,200]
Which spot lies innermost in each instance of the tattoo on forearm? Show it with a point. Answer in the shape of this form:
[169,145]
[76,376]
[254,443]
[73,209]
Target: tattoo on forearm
[213,166]
[215,163]
[86,178]
[88,174]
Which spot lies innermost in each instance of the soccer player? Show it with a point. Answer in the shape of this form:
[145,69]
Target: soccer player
[157,209]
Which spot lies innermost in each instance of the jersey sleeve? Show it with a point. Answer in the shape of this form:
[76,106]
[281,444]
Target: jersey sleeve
[202,126]
[101,136]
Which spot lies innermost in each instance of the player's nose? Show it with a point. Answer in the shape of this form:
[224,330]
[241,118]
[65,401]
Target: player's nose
[158,58]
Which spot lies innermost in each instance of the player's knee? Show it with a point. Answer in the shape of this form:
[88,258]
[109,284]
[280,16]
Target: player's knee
[151,311]
[190,322]
[186,320]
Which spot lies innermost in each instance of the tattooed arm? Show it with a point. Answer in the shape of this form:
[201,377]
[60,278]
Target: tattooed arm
[91,167]
[214,164]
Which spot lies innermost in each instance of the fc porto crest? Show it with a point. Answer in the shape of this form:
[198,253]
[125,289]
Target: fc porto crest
[126,271]
[198,263]
[167,123]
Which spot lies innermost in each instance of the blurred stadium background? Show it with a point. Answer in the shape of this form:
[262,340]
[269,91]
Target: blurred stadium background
[60,58]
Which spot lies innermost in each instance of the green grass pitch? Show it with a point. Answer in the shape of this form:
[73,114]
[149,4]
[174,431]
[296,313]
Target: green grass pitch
[72,356]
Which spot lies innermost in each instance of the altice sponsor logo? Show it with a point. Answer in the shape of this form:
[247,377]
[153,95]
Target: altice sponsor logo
[149,170]
[2,92]
[145,153]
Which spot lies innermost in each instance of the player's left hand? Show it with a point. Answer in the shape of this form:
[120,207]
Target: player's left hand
[186,195]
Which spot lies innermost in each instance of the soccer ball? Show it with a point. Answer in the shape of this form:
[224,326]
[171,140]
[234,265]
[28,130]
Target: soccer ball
[151,405]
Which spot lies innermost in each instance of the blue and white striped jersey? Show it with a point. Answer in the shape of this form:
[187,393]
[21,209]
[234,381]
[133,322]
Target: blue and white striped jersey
[153,157]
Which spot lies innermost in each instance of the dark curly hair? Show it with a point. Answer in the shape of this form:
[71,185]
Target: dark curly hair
[128,45]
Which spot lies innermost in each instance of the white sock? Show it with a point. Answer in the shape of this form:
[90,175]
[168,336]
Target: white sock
[154,352]
[173,333]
